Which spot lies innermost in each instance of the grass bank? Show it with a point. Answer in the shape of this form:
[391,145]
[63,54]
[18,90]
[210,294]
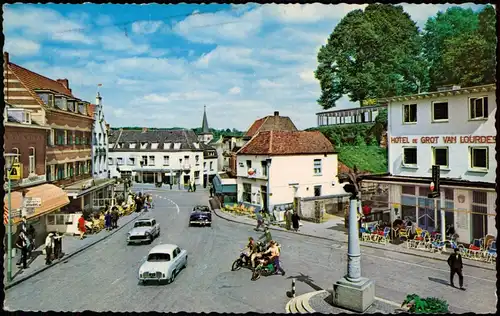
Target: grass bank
[367,158]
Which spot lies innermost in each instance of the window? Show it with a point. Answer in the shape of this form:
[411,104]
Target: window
[197,159]
[16,151]
[71,106]
[151,160]
[263,164]
[69,138]
[60,137]
[440,156]
[479,158]
[44,97]
[26,117]
[186,159]
[144,145]
[48,172]
[131,161]
[32,165]
[408,189]
[119,161]
[167,145]
[196,145]
[99,136]
[409,156]
[317,167]
[196,174]
[177,146]
[440,111]
[479,214]
[82,108]
[211,165]
[50,137]
[77,138]
[247,193]
[60,103]
[154,146]
[144,160]
[249,164]
[89,164]
[478,108]
[409,113]
[317,190]
[71,169]
[132,145]
[166,160]
[205,165]
[60,172]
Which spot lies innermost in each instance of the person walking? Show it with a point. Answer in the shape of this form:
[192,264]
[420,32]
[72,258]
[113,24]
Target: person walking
[211,190]
[194,186]
[170,185]
[295,221]
[32,239]
[456,266]
[81,226]
[107,221]
[22,245]
[260,220]
[114,218]
[288,220]
[190,188]
[49,247]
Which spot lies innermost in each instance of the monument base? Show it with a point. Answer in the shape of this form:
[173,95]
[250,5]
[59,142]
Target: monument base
[357,297]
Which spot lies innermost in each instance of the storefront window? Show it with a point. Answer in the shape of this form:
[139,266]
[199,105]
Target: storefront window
[247,193]
[51,219]
[479,215]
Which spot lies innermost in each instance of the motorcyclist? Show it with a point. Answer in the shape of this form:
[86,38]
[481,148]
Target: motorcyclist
[266,236]
[250,248]
[274,251]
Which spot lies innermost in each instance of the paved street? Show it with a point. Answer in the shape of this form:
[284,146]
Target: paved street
[104,277]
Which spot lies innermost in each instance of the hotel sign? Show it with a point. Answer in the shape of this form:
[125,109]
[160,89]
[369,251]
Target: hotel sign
[445,139]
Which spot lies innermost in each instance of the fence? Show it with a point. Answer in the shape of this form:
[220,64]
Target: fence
[313,208]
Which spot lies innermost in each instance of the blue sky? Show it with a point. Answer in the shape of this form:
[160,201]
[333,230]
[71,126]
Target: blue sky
[160,64]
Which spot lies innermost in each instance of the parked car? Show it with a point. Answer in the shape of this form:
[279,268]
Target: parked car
[164,262]
[145,229]
[201,216]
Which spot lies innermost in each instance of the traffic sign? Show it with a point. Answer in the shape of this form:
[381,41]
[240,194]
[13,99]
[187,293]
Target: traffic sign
[32,202]
[432,186]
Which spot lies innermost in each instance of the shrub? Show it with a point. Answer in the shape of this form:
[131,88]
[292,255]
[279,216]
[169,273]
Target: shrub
[429,305]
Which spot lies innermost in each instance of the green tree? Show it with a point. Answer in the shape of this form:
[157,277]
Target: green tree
[371,54]
[441,33]
[380,126]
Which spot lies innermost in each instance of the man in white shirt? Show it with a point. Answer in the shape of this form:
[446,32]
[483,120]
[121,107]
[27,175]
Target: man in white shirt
[49,246]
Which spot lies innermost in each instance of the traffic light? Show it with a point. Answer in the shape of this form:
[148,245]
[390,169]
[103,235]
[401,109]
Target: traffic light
[435,182]
[351,181]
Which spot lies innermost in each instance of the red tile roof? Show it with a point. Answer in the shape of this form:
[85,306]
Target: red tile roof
[287,143]
[255,127]
[91,110]
[271,123]
[33,81]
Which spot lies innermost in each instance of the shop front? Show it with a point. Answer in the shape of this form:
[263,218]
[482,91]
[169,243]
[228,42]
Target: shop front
[45,199]
[226,189]
[91,194]
[468,206]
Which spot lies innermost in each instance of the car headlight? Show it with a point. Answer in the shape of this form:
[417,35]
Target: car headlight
[128,234]
[147,233]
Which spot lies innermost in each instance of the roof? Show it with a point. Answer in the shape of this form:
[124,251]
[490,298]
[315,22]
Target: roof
[271,123]
[91,109]
[204,124]
[168,248]
[35,81]
[187,139]
[287,143]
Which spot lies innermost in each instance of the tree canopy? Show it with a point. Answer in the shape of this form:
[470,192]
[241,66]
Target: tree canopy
[380,52]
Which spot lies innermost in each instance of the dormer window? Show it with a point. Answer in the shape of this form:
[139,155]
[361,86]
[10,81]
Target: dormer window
[82,108]
[71,106]
[60,103]
[154,146]
[132,145]
[167,145]
[144,145]
[177,145]
[196,145]
[26,117]
[47,99]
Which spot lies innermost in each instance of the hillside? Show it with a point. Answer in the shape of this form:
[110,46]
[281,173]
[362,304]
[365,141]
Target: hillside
[366,158]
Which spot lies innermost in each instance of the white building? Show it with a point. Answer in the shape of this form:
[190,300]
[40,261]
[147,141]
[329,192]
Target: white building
[226,147]
[99,142]
[210,163]
[453,128]
[293,164]
[169,156]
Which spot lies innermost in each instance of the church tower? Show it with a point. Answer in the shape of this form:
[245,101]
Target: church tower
[205,136]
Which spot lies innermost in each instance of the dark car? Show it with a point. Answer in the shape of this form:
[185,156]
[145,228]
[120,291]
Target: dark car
[201,216]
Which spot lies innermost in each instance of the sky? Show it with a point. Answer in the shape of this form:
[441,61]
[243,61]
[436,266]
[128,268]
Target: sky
[160,64]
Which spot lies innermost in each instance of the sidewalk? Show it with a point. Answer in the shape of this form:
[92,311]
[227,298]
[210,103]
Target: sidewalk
[71,245]
[334,230]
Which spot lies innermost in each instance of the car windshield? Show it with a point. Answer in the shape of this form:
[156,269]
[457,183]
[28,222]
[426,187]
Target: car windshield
[156,257]
[142,224]
[201,209]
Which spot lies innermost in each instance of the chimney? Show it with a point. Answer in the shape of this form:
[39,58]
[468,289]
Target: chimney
[98,99]
[64,82]
[6,57]
[144,129]
[276,113]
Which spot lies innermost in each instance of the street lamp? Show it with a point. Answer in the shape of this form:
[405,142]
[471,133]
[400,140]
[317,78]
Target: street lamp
[9,162]
[353,291]
[268,166]
[142,174]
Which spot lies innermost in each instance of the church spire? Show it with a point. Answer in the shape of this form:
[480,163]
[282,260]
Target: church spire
[204,125]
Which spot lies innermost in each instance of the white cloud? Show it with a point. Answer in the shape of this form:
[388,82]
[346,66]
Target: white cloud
[146,27]
[73,53]
[20,46]
[235,90]
[37,22]
[309,13]
[119,41]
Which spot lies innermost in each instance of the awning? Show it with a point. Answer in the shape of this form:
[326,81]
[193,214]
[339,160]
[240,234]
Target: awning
[51,196]
[87,186]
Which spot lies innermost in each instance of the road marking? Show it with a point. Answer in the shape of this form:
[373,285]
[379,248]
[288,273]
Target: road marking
[177,206]
[426,267]
[116,281]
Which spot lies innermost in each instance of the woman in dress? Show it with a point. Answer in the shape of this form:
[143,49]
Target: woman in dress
[81,226]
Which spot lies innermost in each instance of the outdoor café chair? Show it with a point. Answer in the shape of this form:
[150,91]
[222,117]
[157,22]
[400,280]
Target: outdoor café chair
[491,253]
[437,246]
[365,233]
[385,236]
[404,233]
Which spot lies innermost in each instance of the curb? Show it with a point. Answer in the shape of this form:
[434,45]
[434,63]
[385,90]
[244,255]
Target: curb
[345,242]
[36,272]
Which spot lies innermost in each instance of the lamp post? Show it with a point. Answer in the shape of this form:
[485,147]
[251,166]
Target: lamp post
[9,162]
[268,166]
[353,291]
[142,174]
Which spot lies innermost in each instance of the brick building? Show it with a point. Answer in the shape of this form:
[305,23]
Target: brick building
[68,153]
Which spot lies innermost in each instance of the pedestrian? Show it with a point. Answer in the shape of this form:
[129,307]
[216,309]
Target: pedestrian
[24,226]
[114,218]
[194,186]
[260,220]
[22,245]
[456,266]
[190,188]
[295,221]
[81,226]
[31,238]
[107,221]
[211,190]
[49,247]
[170,185]
[288,220]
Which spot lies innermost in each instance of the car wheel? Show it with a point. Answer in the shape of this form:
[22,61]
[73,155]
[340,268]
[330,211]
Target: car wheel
[172,278]
[150,240]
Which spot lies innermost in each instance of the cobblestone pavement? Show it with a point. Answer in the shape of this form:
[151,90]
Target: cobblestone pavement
[104,277]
